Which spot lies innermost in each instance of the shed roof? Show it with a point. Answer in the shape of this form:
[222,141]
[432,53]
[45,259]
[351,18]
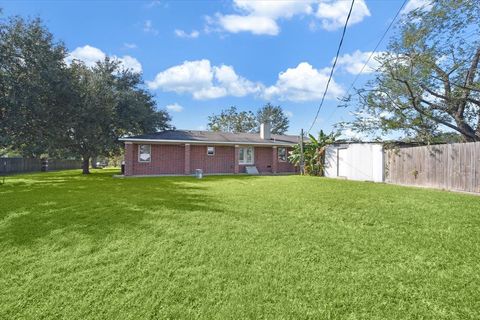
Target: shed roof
[202,137]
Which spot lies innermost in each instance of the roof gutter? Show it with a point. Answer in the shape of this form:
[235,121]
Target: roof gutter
[281,144]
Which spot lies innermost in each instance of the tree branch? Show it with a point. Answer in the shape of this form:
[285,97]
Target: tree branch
[433,93]
[469,81]
[473,68]
[414,99]
[445,78]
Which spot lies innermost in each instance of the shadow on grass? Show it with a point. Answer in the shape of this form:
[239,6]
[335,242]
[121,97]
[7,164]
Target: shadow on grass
[57,205]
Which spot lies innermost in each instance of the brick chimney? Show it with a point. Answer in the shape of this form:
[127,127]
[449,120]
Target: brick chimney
[265,131]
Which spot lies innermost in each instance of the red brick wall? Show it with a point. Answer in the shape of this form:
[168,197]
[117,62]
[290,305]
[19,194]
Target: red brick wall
[187,159]
[263,159]
[170,159]
[166,159]
[285,166]
[222,162]
[129,159]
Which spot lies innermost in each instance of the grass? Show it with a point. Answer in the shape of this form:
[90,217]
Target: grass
[286,247]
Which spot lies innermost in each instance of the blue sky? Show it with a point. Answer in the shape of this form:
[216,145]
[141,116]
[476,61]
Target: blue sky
[199,57]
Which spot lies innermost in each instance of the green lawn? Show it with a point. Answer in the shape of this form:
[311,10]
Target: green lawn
[285,247]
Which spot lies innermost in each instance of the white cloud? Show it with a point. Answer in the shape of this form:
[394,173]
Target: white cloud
[350,134]
[91,55]
[203,81]
[333,14]
[88,54]
[211,92]
[128,45]
[261,17]
[353,63]
[288,113]
[153,4]
[234,84]
[129,62]
[302,83]
[174,107]
[148,27]
[417,4]
[254,24]
[274,9]
[191,76]
[182,34]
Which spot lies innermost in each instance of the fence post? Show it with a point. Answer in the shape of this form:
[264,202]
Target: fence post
[44,165]
[302,164]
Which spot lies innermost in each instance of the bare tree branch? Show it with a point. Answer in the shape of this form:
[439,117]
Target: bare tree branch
[464,129]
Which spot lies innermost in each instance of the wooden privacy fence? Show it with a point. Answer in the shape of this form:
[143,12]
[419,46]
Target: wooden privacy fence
[17,165]
[448,166]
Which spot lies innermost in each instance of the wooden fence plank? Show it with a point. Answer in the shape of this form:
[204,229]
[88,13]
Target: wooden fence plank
[449,166]
[476,162]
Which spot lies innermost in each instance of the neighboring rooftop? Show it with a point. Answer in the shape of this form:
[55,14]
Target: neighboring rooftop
[195,136]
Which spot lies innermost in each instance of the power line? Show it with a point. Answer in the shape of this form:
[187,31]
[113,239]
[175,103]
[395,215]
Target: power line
[373,52]
[380,41]
[376,47]
[333,66]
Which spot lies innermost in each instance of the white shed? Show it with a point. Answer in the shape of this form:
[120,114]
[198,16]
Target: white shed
[355,161]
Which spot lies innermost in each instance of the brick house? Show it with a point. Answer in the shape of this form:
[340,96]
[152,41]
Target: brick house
[181,152]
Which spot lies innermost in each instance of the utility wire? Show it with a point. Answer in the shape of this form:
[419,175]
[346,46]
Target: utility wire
[378,44]
[373,52]
[333,66]
[380,41]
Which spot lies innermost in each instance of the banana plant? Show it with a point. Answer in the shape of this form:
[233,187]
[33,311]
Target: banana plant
[313,153]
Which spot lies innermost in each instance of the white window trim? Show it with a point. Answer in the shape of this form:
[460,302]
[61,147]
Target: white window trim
[278,154]
[138,156]
[244,162]
[208,154]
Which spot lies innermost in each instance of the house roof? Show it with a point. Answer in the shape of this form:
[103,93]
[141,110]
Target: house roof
[210,137]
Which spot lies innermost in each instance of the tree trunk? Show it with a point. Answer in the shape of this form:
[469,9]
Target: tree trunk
[86,165]
[468,132]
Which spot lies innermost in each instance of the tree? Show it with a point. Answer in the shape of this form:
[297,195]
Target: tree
[448,137]
[429,78]
[275,116]
[48,107]
[313,153]
[33,87]
[231,120]
[108,103]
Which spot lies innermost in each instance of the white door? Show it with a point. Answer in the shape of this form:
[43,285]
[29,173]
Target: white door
[342,167]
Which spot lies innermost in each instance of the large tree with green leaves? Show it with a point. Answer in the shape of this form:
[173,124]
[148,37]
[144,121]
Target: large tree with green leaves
[429,79]
[49,107]
[34,87]
[275,116]
[109,102]
[232,120]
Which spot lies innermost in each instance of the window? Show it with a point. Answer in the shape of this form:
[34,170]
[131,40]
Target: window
[211,151]
[144,152]
[245,155]
[282,154]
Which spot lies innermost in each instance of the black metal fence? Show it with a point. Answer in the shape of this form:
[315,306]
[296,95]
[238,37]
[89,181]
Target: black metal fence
[18,165]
